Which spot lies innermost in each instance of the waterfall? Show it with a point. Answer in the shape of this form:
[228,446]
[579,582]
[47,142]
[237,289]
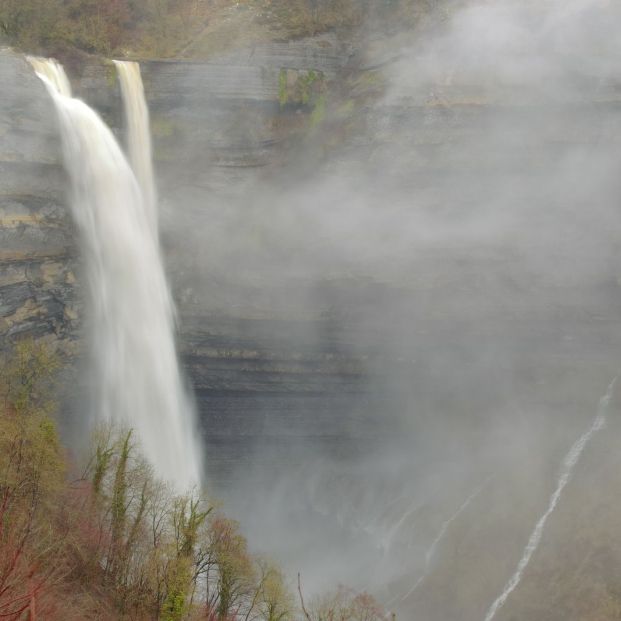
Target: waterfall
[135,376]
[138,133]
[567,468]
[53,72]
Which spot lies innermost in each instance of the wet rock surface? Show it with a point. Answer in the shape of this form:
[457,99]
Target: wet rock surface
[37,249]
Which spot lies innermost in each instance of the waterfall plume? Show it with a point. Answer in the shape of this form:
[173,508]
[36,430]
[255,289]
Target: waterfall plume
[134,374]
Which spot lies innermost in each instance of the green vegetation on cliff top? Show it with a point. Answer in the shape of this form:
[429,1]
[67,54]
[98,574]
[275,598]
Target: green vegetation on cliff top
[181,28]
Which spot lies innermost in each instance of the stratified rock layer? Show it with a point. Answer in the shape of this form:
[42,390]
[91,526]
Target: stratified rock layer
[37,249]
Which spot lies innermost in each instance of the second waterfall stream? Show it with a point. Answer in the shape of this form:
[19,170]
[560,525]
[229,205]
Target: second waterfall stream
[134,377]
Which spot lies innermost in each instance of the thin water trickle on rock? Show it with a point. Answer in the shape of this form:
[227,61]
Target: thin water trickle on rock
[567,468]
[135,375]
[431,552]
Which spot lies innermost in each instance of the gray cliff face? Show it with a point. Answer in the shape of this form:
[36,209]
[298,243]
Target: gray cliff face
[211,123]
[37,250]
[223,112]
[282,355]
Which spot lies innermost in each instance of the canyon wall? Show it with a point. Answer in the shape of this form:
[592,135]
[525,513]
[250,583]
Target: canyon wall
[279,353]
[37,251]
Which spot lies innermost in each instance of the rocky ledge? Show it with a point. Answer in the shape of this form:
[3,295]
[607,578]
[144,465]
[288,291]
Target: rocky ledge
[37,249]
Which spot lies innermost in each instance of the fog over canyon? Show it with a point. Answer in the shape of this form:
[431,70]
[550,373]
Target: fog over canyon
[365,288]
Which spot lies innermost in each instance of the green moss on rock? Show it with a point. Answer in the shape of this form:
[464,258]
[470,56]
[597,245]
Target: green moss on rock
[297,87]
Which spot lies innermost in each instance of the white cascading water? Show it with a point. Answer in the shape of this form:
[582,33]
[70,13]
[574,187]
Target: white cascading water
[138,133]
[135,377]
[567,468]
[53,72]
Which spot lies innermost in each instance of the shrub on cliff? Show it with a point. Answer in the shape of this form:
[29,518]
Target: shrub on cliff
[31,477]
[113,542]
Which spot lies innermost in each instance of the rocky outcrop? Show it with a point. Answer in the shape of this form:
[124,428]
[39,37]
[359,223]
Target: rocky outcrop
[37,249]
[227,110]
